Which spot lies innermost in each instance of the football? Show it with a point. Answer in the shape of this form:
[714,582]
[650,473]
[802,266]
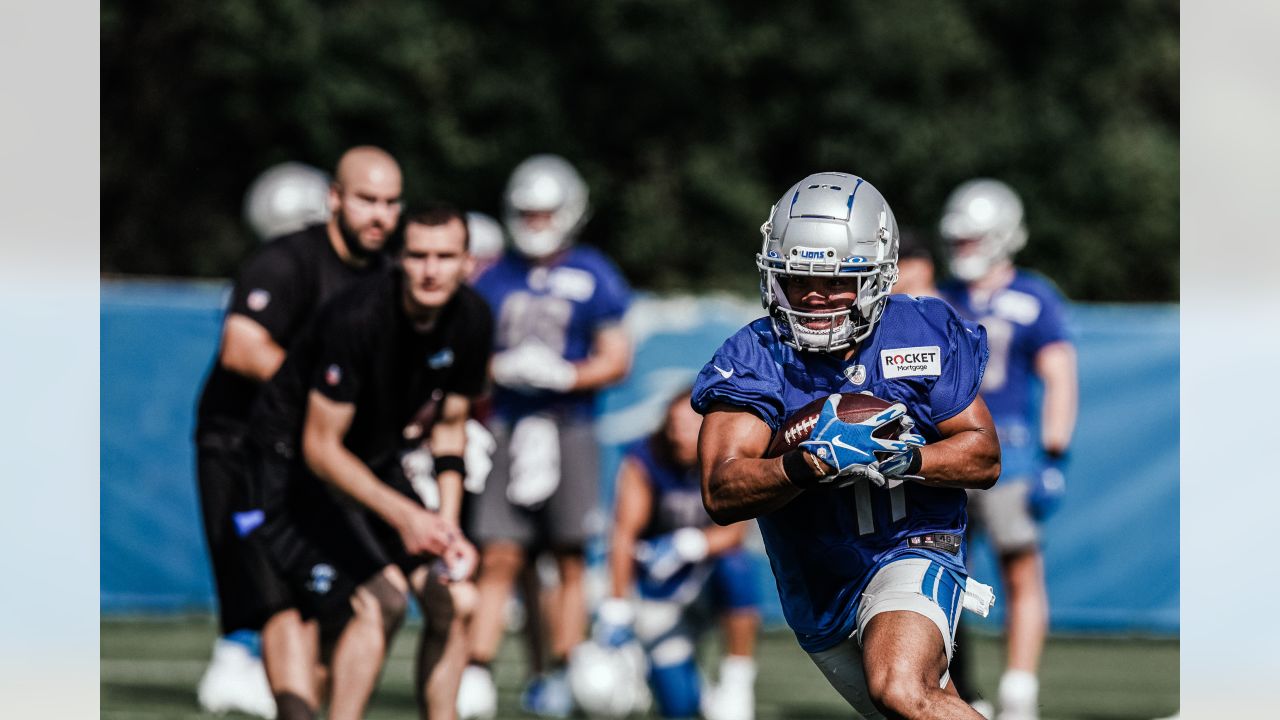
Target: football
[853,407]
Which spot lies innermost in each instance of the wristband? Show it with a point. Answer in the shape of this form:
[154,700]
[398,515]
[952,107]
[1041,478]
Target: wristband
[450,462]
[801,471]
[913,468]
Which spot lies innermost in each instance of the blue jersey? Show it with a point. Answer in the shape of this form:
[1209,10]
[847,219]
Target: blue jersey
[825,545]
[676,503]
[1020,319]
[562,306]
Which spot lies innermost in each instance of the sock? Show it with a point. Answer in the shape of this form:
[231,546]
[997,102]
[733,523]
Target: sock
[247,638]
[1019,691]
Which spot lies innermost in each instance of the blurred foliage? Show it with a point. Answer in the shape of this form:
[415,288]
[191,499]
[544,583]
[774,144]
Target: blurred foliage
[687,118]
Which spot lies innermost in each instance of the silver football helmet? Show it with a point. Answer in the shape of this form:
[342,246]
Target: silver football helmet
[828,225]
[487,240]
[544,183]
[286,198]
[988,214]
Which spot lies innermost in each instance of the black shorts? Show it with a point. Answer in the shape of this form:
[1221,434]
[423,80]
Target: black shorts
[322,546]
[244,580]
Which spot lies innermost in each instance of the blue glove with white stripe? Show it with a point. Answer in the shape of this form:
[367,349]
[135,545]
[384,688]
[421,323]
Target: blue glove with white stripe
[850,448]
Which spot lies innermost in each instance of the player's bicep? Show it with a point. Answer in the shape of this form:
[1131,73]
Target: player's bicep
[976,417]
[324,428]
[248,348]
[730,432]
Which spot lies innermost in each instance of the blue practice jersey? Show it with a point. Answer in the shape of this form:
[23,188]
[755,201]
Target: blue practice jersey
[1020,319]
[676,503]
[562,306]
[825,545]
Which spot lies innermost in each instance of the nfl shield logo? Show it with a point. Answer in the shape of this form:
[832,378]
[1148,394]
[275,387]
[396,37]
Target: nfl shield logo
[856,374]
[333,375]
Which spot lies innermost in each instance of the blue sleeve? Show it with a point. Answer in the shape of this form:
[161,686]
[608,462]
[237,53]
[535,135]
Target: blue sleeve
[743,374]
[612,296]
[963,362]
[1051,325]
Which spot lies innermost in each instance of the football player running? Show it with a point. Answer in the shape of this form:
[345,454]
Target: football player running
[1025,319]
[686,572]
[867,545]
[559,339]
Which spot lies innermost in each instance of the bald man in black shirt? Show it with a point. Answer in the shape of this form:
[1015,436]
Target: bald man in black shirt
[389,363]
[275,294]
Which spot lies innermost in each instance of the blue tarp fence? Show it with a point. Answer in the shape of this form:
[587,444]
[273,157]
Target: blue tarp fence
[1112,553]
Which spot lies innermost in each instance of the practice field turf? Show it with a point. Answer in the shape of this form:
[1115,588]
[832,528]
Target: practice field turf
[150,668]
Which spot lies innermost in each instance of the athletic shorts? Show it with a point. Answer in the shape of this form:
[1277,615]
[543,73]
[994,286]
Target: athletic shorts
[917,584]
[322,546]
[1004,515]
[568,518]
[246,583]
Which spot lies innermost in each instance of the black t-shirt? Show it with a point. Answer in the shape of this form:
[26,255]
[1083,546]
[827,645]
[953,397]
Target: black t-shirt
[281,288]
[361,349]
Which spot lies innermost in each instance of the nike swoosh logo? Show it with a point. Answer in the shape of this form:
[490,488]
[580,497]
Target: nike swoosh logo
[836,441]
[726,374]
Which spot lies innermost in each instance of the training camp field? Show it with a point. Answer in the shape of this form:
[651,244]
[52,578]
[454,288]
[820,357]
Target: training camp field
[150,667]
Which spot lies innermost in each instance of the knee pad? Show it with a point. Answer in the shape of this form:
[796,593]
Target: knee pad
[676,688]
[436,603]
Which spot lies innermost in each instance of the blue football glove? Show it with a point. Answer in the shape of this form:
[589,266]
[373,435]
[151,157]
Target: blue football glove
[614,625]
[664,556]
[850,448]
[1048,487]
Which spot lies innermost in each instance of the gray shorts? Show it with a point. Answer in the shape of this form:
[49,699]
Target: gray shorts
[568,518]
[1004,515]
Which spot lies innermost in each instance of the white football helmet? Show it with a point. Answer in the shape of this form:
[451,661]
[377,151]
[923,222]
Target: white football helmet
[487,240]
[988,213]
[544,183]
[828,225]
[286,198]
[609,682]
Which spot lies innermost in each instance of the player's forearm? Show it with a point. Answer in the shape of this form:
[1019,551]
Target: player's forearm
[743,488]
[621,564]
[449,483]
[345,471]
[1056,366]
[968,459]
[608,362]
[721,540]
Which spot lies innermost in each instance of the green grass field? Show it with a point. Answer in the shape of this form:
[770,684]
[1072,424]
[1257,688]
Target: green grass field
[150,668]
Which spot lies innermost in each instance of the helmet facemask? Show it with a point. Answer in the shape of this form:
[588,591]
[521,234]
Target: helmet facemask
[818,230]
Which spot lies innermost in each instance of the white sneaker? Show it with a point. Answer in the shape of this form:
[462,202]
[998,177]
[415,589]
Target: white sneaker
[983,708]
[734,698]
[235,680]
[477,696]
[1019,693]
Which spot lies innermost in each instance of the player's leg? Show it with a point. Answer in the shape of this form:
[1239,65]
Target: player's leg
[667,634]
[442,649]
[1015,536]
[570,611]
[736,596]
[1027,622]
[290,651]
[235,678]
[907,620]
[377,610]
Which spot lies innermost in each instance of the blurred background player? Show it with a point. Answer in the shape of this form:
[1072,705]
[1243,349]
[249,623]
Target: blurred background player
[558,308]
[915,266]
[1025,319]
[687,573]
[389,363]
[275,294]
